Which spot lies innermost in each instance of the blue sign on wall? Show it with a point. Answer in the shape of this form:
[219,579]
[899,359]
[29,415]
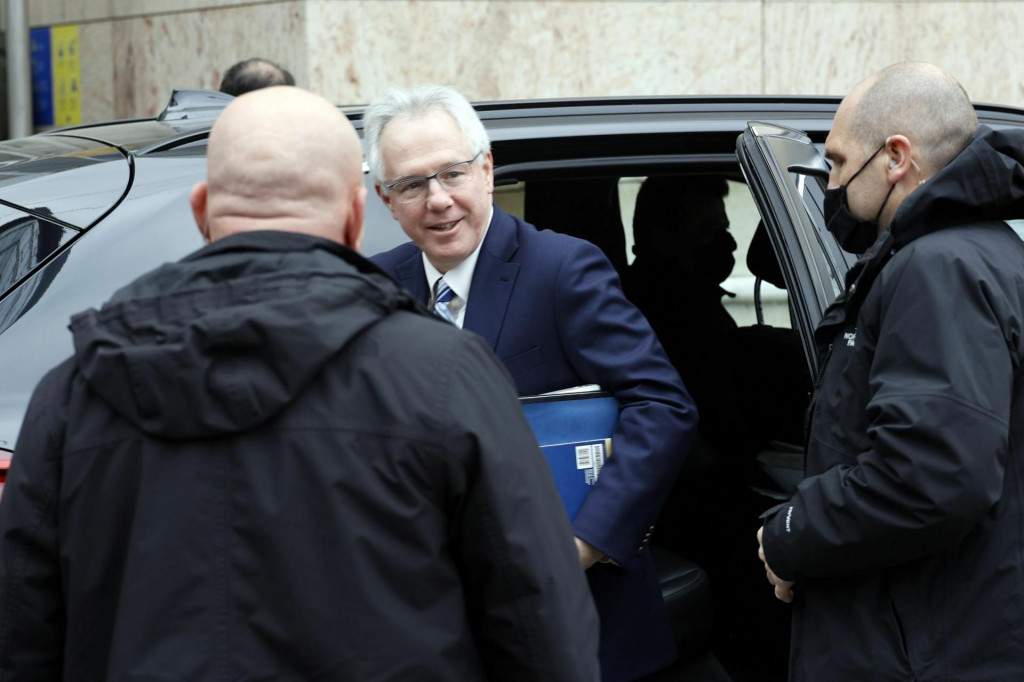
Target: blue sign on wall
[42,77]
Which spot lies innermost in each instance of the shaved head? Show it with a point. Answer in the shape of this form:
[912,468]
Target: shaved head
[282,158]
[893,132]
[918,100]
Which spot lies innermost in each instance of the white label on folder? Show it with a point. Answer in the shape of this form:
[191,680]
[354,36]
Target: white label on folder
[584,456]
[598,451]
[598,458]
[591,458]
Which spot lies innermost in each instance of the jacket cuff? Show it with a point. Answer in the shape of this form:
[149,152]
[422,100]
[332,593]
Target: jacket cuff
[774,541]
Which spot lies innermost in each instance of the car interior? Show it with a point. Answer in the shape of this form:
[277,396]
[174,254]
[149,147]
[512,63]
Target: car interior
[694,256]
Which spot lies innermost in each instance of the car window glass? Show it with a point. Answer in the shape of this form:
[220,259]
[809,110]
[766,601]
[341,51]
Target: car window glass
[25,241]
[1017,226]
[511,198]
[42,147]
[743,221]
[812,192]
[77,187]
[743,218]
[791,165]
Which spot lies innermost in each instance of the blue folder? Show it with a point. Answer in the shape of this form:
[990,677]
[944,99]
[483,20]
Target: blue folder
[574,429]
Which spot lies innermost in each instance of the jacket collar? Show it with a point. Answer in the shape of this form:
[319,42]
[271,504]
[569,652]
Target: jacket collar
[494,279]
[277,241]
[410,275]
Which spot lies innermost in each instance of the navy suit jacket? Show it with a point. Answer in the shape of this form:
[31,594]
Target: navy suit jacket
[552,309]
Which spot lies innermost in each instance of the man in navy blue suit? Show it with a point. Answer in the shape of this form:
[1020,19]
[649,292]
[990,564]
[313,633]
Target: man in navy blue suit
[552,309]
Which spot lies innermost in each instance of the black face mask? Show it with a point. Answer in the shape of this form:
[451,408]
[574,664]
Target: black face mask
[713,262]
[853,234]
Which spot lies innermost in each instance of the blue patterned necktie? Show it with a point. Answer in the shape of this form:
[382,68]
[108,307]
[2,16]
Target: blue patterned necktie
[443,296]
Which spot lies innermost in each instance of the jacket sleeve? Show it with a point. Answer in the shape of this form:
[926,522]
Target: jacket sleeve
[530,606]
[31,593]
[609,342]
[940,391]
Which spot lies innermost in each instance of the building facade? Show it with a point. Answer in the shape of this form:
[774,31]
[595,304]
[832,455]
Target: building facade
[132,53]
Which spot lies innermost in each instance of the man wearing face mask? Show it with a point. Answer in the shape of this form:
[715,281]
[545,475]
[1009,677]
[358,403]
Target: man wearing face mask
[902,550]
[684,251]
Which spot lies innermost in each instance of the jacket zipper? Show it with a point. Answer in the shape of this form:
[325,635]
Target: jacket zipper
[823,359]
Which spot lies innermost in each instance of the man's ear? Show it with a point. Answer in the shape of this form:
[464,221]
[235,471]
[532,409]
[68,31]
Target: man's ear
[386,198]
[899,150]
[354,224]
[488,168]
[197,198]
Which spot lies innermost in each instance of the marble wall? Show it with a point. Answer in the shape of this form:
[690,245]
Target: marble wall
[826,47]
[514,50]
[153,54]
[133,52]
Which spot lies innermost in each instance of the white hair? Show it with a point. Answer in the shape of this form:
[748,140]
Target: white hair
[398,102]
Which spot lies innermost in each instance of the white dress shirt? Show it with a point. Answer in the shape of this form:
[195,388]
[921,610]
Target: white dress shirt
[458,278]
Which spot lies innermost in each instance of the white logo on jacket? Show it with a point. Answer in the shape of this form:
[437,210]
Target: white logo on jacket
[851,338]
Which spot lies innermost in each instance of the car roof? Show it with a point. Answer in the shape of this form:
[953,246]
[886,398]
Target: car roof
[554,128]
[190,114]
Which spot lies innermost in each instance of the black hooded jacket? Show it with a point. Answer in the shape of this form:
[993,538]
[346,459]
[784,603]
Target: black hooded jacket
[266,462]
[907,537]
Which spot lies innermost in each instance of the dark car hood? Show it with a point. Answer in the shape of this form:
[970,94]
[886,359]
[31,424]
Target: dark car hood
[226,338]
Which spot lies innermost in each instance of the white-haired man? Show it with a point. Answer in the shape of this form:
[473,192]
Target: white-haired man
[552,309]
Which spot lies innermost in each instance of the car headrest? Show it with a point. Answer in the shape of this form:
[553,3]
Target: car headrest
[761,260]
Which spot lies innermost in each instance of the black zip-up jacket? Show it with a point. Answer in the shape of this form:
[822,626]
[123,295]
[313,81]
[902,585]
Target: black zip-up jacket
[266,462]
[906,537]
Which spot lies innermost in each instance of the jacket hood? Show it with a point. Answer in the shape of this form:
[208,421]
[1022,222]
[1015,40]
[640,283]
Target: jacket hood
[226,338]
[984,182]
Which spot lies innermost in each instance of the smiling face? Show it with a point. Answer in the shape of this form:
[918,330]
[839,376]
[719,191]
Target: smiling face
[447,225]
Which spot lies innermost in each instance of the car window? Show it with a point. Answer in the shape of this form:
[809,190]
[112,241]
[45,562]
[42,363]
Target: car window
[42,148]
[1017,226]
[743,222]
[523,197]
[77,188]
[25,242]
[786,175]
[511,197]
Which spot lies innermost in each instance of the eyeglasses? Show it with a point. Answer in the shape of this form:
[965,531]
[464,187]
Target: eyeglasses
[451,177]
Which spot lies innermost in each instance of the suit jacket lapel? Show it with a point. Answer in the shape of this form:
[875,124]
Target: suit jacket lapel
[494,278]
[411,275]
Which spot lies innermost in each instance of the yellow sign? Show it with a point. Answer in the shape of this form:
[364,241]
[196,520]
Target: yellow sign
[67,95]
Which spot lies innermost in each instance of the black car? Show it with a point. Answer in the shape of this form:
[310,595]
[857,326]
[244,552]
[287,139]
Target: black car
[84,210]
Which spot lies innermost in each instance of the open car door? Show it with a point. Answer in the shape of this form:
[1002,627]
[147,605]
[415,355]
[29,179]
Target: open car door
[787,176]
